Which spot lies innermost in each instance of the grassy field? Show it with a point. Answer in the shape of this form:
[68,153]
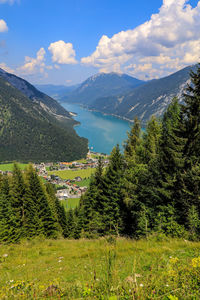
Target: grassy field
[69,174]
[70,203]
[100,269]
[84,182]
[9,167]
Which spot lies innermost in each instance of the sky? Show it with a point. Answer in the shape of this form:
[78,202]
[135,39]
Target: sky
[63,42]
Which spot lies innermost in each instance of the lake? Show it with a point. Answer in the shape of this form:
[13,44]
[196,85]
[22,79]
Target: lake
[102,131]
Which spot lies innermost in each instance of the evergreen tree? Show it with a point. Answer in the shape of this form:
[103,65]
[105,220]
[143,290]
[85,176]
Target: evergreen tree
[92,202]
[9,231]
[187,192]
[46,220]
[70,228]
[191,114]
[57,208]
[114,209]
[17,192]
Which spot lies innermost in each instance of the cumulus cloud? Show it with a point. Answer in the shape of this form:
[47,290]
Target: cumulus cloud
[62,53]
[3,26]
[34,65]
[172,37]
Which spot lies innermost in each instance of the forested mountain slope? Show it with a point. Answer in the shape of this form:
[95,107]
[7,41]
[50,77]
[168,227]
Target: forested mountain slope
[149,99]
[35,128]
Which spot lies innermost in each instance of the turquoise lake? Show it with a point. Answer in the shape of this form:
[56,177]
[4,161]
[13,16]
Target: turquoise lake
[102,131]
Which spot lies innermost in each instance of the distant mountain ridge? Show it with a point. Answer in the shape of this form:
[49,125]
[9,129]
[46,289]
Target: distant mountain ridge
[56,91]
[33,126]
[147,99]
[101,85]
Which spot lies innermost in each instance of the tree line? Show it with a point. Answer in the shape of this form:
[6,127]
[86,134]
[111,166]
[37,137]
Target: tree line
[28,207]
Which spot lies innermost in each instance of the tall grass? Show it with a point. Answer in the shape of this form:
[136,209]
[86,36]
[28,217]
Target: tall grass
[107,268]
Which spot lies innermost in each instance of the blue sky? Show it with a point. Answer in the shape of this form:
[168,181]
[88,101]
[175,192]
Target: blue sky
[64,42]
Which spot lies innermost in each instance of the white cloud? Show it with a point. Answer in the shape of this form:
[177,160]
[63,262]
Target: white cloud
[3,26]
[6,68]
[172,37]
[62,53]
[34,65]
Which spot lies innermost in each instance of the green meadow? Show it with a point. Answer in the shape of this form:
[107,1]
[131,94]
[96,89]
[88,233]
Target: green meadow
[9,167]
[71,174]
[70,203]
[107,268]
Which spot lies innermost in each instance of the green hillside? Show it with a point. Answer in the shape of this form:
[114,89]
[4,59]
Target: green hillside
[28,132]
[100,269]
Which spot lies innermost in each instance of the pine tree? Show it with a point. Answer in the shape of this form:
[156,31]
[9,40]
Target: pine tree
[70,228]
[46,221]
[8,220]
[170,161]
[114,208]
[17,192]
[151,139]
[92,202]
[191,113]
[31,220]
[133,142]
[187,192]
[57,208]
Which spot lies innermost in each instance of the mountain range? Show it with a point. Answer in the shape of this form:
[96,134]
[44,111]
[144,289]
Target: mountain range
[33,126]
[56,91]
[101,85]
[126,97]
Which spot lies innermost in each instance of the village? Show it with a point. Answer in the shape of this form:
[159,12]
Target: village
[57,174]
[68,187]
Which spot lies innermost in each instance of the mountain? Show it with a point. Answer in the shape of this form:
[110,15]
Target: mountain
[56,91]
[33,126]
[48,103]
[101,85]
[151,98]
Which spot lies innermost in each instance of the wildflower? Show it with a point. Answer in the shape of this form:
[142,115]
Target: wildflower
[11,280]
[196,262]
[5,255]
[174,260]
[141,285]
[60,261]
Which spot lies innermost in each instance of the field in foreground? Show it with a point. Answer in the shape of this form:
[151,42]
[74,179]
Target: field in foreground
[100,269]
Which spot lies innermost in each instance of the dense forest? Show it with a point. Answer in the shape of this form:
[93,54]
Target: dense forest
[153,186]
